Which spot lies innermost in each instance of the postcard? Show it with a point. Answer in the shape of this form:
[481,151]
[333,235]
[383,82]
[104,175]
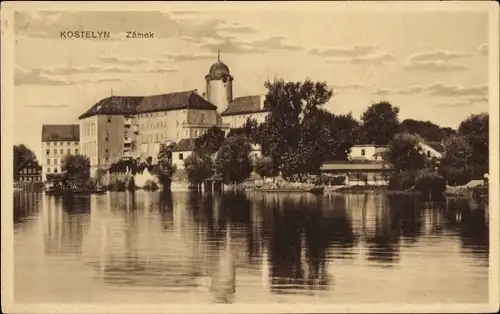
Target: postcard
[249,157]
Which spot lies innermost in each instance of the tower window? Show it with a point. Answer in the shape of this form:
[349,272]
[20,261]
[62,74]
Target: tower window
[181,156]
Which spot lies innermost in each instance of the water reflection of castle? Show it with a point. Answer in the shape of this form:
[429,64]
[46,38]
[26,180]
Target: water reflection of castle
[215,243]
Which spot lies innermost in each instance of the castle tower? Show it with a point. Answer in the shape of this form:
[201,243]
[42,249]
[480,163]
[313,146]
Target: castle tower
[219,88]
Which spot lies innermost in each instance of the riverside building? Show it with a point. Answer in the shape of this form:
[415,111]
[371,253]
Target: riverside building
[130,127]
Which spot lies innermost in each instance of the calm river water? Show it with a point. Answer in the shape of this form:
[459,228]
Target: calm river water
[184,247]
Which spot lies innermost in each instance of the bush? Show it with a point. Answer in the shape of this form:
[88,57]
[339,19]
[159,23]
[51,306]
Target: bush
[402,181]
[430,184]
[150,185]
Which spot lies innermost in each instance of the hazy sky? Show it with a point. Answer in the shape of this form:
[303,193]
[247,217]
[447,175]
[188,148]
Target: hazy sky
[433,66]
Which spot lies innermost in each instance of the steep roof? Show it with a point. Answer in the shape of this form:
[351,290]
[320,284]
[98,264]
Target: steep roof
[123,105]
[436,146]
[244,105]
[60,132]
[185,145]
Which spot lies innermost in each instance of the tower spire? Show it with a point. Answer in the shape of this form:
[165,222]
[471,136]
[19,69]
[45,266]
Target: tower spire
[218,54]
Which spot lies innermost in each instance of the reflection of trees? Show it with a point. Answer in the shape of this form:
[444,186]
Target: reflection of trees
[469,219]
[383,243]
[25,205]
[67,221]
[300,230]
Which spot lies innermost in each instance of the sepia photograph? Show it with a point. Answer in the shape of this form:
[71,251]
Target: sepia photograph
[250,157]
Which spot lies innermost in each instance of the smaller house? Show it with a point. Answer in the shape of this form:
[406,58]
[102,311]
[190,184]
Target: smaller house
[181,151]
[432,149]
[29,171]
[368,152]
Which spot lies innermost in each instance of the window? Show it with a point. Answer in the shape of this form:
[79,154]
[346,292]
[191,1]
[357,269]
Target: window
[181,156]
[48,143]
[48,170]
[196,133]
[202,117]
[109,119]
[428,154]
[48,161]
[55,151]
[76,151]
[363,152]
[48,151]
[68,143]
[55,161]
[55,170]
[61,151]
[69,151]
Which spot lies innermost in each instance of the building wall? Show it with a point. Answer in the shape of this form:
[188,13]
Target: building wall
[110,140]
[366,152]
[159,127]
[237,121]
[179,157]
[220,93]
[88,139]
[198,122]
[53,153]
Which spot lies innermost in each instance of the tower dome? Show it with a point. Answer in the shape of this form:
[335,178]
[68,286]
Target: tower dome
[218,70]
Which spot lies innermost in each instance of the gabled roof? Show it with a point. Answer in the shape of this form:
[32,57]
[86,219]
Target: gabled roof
[60,132]
[185,145]
[244,105]
[123,105]
[437,146]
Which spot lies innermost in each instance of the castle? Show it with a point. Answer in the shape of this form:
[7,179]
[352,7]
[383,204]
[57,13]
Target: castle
[126,127]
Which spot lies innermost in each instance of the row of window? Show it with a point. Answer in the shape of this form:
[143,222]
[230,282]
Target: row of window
[50,170]
[157,114]
[55,162]
[29,171]
[62,152]
[156,125]
[61,143]
[89,130]
[30,179]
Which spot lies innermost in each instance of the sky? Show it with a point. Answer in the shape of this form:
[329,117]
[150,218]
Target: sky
[432,65]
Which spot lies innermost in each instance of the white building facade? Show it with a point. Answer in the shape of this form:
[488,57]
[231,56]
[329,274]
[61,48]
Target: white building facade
[58,141]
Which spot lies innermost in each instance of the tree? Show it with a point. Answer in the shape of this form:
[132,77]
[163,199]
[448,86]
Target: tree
[404,153]
[164,170]
[22,154]
[198,167]
[76,166]
[286,135]
[456,162]
[233,162]
[264,167]
[251,130]
[475,129]
[379,124]
[426,129]
[211,141]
